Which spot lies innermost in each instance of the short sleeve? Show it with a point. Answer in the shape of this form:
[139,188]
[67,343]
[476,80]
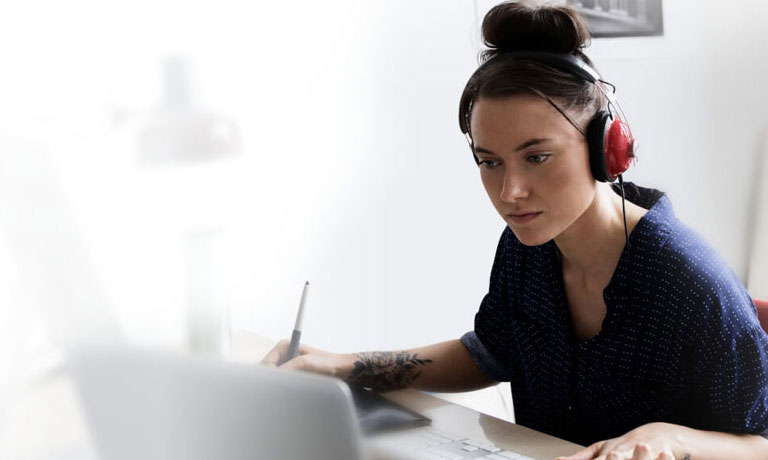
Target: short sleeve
[489,343]
[485,361]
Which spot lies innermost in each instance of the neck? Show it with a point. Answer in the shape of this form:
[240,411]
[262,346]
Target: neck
[592,245]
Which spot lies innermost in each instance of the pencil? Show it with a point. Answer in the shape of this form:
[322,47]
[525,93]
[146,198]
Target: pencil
[293,348]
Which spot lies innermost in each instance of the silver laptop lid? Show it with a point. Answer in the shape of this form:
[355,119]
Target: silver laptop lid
[152,405]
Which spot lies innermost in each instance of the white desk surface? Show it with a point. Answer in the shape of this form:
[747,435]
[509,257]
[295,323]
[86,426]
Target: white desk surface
[453,418]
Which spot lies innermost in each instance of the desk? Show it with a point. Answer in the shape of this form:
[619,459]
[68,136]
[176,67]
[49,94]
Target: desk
[453,418]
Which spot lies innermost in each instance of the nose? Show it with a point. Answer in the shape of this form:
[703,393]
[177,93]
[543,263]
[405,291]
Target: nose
[514,187]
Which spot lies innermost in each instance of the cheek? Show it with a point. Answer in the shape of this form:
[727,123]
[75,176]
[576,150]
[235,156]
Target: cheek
[574,167]
[567,177]
[576,188]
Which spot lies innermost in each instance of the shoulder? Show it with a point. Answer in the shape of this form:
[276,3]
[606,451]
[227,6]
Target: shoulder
[695,266]
[675,269]
[668,251]
[690,260]
[679,268]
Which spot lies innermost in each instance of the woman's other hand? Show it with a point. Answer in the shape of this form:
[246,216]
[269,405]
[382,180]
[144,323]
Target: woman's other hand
[653,441]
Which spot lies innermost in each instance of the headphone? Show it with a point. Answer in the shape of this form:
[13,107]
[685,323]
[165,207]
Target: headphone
[611,144]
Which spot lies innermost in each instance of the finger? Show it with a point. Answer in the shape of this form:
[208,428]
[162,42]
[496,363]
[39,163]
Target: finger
[618,455]
[276,355]
[304,349]
[665,455]
[298,363]
[588,453]
[642,451]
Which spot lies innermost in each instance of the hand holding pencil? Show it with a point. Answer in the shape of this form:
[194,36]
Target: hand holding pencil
[296,356]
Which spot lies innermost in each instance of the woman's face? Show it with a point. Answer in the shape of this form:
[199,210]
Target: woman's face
[534,165]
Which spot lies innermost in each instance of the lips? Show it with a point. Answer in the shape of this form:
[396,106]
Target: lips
[523,217]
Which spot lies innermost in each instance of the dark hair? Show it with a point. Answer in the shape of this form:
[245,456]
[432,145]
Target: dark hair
[512,27]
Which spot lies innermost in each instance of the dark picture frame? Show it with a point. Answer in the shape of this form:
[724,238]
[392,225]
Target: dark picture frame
[621,18]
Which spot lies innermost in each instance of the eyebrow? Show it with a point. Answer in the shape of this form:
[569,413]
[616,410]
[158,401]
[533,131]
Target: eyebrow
[524,145]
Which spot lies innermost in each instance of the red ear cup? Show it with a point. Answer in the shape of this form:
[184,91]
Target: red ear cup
[611,146]
[619,148]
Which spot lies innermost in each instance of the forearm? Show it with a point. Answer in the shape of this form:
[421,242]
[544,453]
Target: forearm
[711,445]
[445,366]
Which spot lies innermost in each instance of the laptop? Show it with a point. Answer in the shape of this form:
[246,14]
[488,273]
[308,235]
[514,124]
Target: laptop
[150,405]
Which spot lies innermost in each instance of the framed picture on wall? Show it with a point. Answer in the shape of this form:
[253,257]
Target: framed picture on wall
[621,18]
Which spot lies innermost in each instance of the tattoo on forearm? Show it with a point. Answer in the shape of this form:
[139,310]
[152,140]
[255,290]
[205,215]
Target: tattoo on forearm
[687,457]
[386,370]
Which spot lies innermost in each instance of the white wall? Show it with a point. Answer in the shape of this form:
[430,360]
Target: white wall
[352,172]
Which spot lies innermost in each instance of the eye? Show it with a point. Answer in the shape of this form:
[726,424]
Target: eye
[537,158]
[487,164]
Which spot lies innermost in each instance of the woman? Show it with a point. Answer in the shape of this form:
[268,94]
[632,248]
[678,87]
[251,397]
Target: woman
[616,325]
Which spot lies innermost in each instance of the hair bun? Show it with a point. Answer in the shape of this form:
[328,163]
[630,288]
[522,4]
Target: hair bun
[523,27]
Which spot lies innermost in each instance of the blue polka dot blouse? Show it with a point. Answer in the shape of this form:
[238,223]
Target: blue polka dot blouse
[680,342]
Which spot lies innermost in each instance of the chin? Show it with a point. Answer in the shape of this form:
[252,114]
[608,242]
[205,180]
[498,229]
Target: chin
[531,238]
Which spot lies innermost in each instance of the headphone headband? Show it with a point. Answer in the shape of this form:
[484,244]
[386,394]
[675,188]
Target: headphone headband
[563,61]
